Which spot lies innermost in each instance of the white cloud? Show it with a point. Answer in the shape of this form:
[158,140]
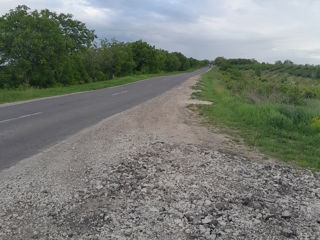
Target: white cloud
[81,9]
[263,29]
[84,11]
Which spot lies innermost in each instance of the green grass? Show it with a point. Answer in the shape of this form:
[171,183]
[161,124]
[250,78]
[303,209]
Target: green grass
[281,130]
[13,95]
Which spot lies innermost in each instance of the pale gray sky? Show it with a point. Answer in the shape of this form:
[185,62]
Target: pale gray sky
[267,30]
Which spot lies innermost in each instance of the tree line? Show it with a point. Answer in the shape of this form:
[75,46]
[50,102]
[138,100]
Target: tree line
[45,49]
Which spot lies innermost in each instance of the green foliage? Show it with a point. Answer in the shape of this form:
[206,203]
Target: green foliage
[277,120]
[144,56]
[45,49]
[36,45]
[67,76]
[172,62]
[258,71]
[278,83]
[116,59]
[287,129]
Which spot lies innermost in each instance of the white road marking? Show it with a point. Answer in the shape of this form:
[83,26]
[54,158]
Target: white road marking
[118,93]
[23,116]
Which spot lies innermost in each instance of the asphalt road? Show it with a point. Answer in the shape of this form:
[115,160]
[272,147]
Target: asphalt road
[29,128]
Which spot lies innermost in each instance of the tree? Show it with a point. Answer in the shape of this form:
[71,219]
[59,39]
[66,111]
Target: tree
[172,63]
[161,56]
[288,62]
[184,62]
[144,56]
[35,45]
[123,63]
[44,49]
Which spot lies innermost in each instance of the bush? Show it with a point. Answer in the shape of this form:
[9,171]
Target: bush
[298,115]
[279,121]
[100,76]
[295,95]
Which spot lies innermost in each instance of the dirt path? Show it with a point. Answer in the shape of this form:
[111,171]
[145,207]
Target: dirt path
[153,172]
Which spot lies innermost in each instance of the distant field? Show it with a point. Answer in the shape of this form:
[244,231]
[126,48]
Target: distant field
[12,95]
[271,107]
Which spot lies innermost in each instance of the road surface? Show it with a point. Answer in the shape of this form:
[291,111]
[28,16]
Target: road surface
[29,128]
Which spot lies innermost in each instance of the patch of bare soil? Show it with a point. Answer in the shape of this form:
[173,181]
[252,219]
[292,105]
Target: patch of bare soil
[154,172]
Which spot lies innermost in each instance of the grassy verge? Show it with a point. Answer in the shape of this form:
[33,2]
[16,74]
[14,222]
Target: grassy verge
[286,131]
[13,95]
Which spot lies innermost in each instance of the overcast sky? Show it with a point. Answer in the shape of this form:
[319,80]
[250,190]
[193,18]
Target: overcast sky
[266,30]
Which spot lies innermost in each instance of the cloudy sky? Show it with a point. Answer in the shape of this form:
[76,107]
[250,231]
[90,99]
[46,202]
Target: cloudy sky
[266,30]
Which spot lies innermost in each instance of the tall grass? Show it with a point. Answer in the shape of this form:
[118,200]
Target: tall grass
[286,131]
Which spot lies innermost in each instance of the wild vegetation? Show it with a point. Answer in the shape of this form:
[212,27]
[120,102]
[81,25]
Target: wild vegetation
[42,49]
[26,93]
[275,107]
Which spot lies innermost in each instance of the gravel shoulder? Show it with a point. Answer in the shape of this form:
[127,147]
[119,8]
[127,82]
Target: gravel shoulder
[155,172]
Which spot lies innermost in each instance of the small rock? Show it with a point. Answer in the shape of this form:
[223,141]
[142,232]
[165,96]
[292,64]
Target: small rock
[256,205]
[107,219]
[177,221]
[235,234]
[221,206]
[286,214]
[141,177]
[247,200]
[257,221]
[207,203]
[45,191]
[222,223]
[288,233]
[196,220]
[127,232]
[35,235]
[99,185]
[269,216]
[204,230]
[214,222]
[154,209]
[207,220]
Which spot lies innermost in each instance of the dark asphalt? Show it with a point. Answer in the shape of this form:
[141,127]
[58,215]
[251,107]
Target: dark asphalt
[29,128]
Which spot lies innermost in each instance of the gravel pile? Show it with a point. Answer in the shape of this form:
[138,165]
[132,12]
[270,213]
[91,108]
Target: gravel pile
[179,191]
[170,191]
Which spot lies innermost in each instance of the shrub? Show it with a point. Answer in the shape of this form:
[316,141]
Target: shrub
[100,76]
[279,121]
[298,115]
[295,96]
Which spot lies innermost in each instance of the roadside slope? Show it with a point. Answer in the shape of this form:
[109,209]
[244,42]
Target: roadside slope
[153,172]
